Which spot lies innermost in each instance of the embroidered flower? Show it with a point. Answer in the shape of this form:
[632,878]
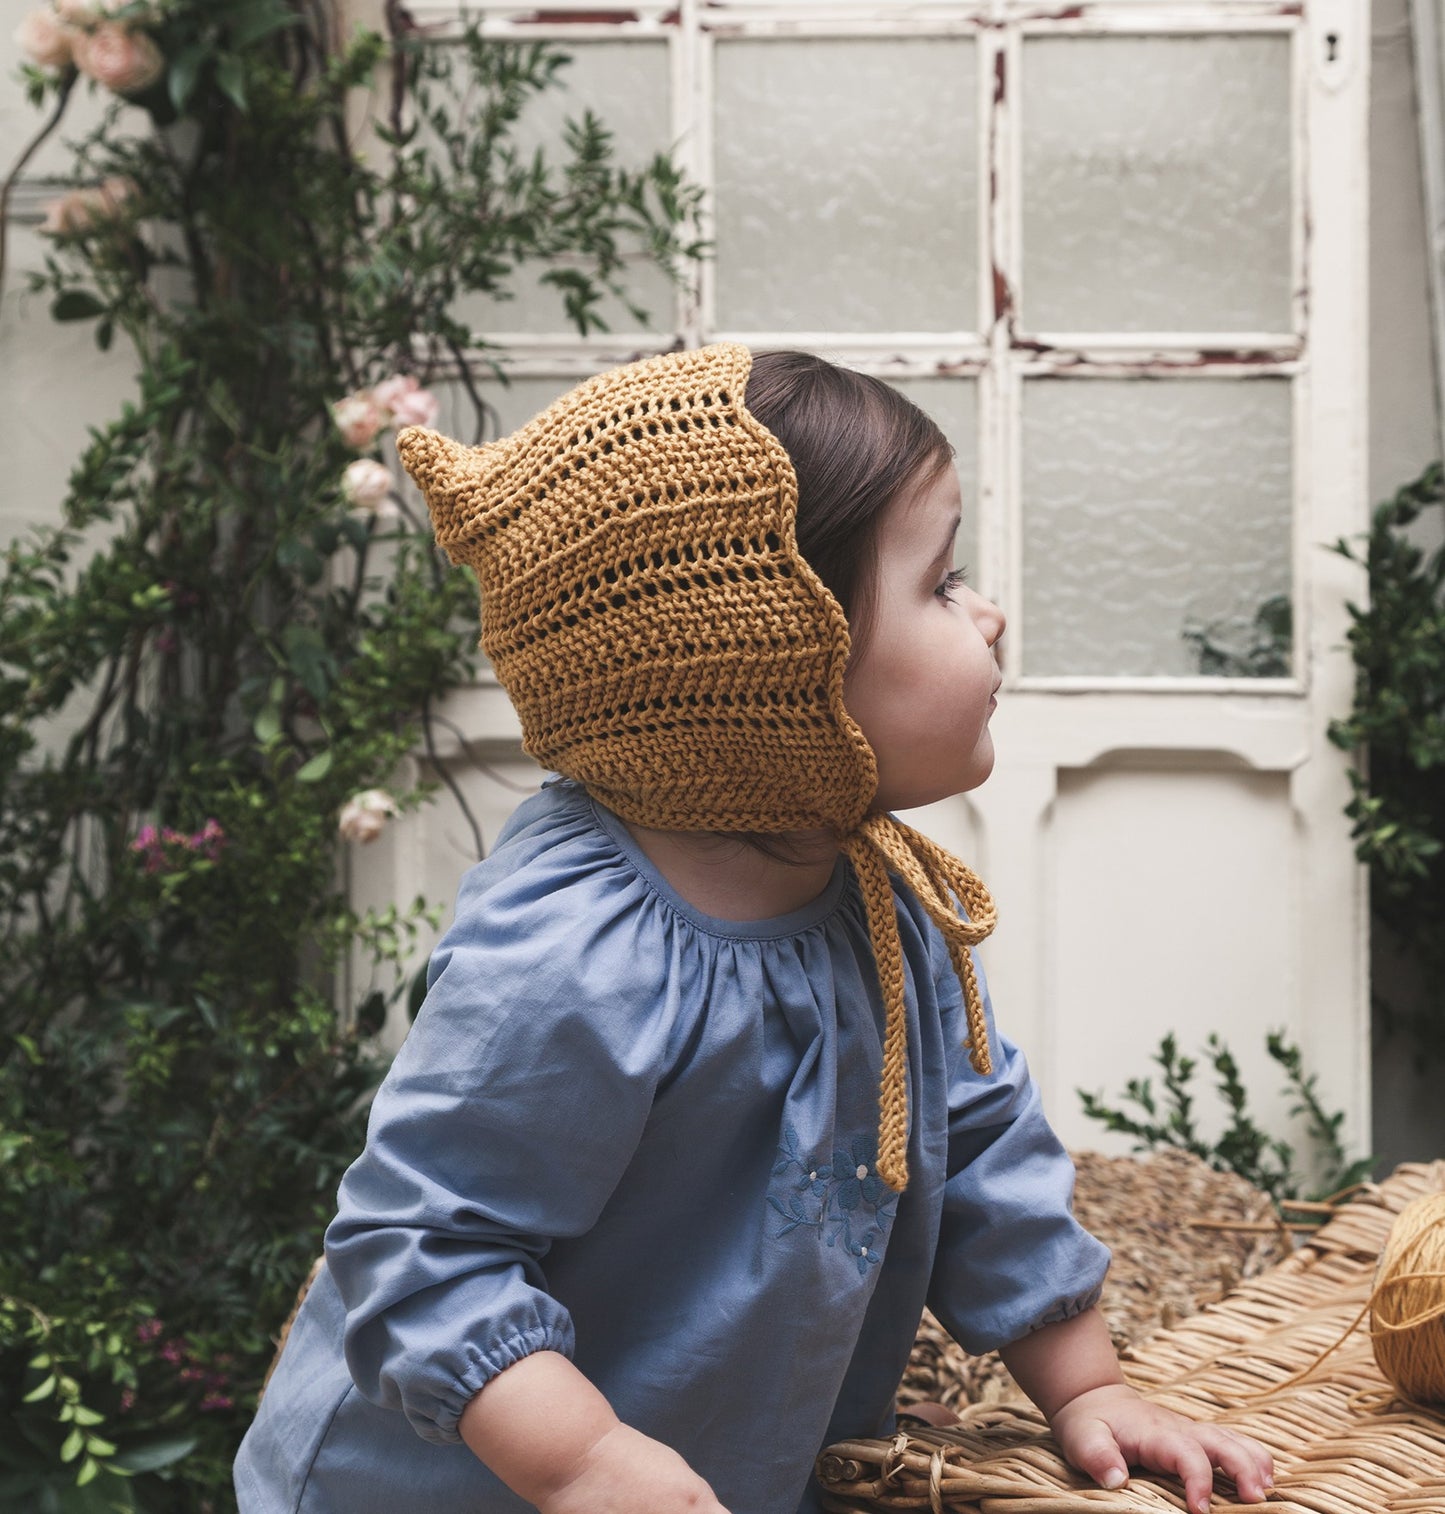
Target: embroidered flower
[835,1197]
[858,1182]
[865,1251]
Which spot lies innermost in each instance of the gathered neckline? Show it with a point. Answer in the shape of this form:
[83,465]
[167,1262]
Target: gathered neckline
[773,928]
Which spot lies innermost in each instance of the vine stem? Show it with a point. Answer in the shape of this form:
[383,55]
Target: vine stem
[12,178]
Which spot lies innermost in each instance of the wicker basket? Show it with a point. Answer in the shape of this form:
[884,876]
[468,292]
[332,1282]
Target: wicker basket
[1341,1443]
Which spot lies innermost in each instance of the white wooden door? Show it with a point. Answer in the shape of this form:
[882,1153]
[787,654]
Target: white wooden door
[1118,250]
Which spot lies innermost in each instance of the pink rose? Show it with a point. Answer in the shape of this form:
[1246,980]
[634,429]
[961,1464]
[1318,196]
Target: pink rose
[358,418]
[87,209]
[409,403]
[364,815]
[122,60]
[46,40]
[366,485]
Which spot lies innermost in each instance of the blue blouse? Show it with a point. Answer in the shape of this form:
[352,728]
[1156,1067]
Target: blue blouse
[644,1137]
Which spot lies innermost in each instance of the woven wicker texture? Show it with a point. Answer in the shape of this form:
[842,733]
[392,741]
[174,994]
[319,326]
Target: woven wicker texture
[647,610]
[1164,1267]
[1342,1444]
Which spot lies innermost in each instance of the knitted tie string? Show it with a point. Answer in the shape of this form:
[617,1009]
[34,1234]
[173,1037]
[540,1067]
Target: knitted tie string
[936,880]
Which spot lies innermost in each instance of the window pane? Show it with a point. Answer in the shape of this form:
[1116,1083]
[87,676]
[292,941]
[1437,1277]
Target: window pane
[1156,527]
[847,195]
[1156,184]
[626,84]
[953,404]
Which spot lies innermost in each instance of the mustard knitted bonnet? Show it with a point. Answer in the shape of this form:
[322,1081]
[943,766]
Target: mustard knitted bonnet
[645,606]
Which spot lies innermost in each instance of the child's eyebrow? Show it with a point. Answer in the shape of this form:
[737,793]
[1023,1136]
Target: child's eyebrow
[947,547]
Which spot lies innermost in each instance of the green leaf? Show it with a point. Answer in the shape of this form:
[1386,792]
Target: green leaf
[318,767]
[76,305]
[73,1445]
[152,1455]
[44,1390]
[267,725]
[252,22]
[185,70]
[231,80]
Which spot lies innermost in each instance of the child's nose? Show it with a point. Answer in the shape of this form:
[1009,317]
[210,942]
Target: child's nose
[991,619]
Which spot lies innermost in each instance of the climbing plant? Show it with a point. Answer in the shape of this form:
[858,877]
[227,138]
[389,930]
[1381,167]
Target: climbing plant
[212,667]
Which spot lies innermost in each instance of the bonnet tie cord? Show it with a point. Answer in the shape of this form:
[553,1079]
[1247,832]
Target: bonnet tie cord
[936,879]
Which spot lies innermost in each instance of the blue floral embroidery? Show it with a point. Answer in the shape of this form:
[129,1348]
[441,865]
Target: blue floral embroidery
[843,1199]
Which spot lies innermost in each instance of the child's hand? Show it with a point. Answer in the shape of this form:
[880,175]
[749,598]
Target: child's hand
[627,1472]
[1105,1430]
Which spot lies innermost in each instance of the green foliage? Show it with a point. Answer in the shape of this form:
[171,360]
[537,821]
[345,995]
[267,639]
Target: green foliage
[1259,650]
[1168,1119]
[201,664]
[1398,723]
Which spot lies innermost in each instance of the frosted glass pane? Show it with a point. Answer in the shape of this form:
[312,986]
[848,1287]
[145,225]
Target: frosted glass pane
[512,405]
[1156,184]
[626,85]
[847,196]
[953,404]
[1155,513]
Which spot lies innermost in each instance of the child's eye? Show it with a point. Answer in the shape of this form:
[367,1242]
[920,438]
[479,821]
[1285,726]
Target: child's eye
[955,579]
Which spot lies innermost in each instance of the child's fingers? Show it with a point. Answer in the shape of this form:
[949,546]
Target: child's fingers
[1091,1446]
[1174,1449]
[1244,1460]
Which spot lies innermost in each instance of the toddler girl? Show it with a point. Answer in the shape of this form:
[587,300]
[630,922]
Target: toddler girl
[706,1099]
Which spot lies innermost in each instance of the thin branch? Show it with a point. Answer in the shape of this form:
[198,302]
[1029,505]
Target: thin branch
[446,777]
[62,99]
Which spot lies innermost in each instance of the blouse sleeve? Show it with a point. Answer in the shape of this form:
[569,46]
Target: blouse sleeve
[504,1124]
[1011,1256]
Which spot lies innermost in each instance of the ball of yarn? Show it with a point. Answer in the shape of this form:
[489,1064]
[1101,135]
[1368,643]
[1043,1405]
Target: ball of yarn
[1407,1313]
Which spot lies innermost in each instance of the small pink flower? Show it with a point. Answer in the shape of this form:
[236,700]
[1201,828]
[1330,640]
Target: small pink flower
[83,210]
[419,409]
[359,419]
[208,840]
[363,817]
[46,40]
[214,1401]
[366,486]
[172,1354]
[122,60]
[127,1400]
[151,1329]
[408,402]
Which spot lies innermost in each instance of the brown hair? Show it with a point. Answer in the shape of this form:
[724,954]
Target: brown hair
[855,444]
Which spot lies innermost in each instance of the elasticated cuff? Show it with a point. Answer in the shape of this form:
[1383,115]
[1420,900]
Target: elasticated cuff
[499,1355]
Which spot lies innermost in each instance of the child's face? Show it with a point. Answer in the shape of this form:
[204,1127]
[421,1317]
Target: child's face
[922,686]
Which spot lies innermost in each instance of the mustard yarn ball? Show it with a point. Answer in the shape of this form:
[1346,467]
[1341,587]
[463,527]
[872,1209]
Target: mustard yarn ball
[1407,1313]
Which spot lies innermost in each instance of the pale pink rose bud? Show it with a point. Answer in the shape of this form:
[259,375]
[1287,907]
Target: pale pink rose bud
[419,408]
[409,403]
[358,418]
[67,216]
[86,209]
[390,390]
[366,484]
[46,40]
[364,816]
[122,60]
